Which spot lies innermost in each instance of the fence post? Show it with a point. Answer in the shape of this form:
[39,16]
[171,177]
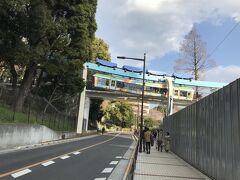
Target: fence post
[36,117]
[64,119]
[67,123]
[75,124]
[42,117]
[58,126]
[72,128]
[54,121]
[49,121]
[14,110]
[29,110]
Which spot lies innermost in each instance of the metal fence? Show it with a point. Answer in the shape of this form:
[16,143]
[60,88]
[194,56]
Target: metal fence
[36,110]
[207,133]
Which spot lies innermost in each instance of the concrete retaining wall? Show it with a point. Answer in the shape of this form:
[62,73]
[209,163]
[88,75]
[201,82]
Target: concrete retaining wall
[13,135]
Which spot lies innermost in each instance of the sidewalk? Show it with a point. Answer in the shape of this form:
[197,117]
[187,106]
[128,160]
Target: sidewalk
[164,166]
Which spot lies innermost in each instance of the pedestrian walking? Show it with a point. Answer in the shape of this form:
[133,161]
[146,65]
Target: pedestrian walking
[160,138]
[147,137]
[103,130]
[167,140]
[143,139]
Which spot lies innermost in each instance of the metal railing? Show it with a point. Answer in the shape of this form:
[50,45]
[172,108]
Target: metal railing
[36,110]
[207,134]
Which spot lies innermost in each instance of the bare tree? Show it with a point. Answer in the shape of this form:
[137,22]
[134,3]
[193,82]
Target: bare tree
[194,58]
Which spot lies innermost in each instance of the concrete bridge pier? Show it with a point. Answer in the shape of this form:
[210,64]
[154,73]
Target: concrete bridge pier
[86,113]
[84,102]
[170,96]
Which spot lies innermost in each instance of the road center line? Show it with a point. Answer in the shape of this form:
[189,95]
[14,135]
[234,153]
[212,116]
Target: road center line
[48,163]
[41,162]
[21,173]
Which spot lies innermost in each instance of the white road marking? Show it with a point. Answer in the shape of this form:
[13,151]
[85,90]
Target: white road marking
[107,170]
[48,163]
[119,157]
[113,162]
[21,173]
[100,178]
[65,157]
[77,152]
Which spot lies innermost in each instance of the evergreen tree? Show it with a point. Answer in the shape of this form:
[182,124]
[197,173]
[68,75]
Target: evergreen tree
[52,37]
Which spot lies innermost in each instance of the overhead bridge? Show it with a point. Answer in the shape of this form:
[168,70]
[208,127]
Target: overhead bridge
[133,75]
[112,95]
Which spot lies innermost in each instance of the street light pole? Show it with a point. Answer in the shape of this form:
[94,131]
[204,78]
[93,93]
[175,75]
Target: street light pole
[143,85]
[141,125]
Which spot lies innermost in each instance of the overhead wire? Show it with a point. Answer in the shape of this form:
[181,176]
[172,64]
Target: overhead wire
[222,41]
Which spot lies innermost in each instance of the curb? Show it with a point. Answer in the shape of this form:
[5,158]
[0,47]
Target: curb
[124,167]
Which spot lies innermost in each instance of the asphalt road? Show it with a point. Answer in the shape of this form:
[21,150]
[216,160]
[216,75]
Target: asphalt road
[85,159]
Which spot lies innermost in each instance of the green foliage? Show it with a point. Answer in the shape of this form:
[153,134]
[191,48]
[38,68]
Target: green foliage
[119,113]
[148,122]
[100,50]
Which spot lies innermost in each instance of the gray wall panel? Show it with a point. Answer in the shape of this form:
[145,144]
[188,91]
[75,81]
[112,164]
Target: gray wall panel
[228,126]
[206,134]
[235,130]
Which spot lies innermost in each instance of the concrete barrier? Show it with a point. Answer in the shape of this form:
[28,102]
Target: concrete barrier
[13,135]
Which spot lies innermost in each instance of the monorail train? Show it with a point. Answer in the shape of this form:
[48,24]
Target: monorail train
[126,84]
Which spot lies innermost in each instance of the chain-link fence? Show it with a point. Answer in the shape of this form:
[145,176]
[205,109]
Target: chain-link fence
[36,110]
[207,133]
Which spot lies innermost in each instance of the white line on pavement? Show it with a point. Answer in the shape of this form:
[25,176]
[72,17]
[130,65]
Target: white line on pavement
[107,170]
[76,153]
[65,157]
[48,163]
[100,178]
[119,157]
[113,162]
[21,173]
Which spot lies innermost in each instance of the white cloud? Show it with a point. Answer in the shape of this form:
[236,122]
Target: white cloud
[223,74]
[132,27]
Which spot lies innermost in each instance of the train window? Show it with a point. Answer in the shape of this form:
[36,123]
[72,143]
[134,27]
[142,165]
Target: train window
[101,82]
[120,84]
[148,88]
[176,93]
[113,83]
[163,91]
[156,90]
[107,82]
[183,93]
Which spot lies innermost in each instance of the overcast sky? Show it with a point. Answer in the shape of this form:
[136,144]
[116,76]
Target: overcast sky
[157,27]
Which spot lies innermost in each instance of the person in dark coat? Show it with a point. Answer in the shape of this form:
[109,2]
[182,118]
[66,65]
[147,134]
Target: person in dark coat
[103,130]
